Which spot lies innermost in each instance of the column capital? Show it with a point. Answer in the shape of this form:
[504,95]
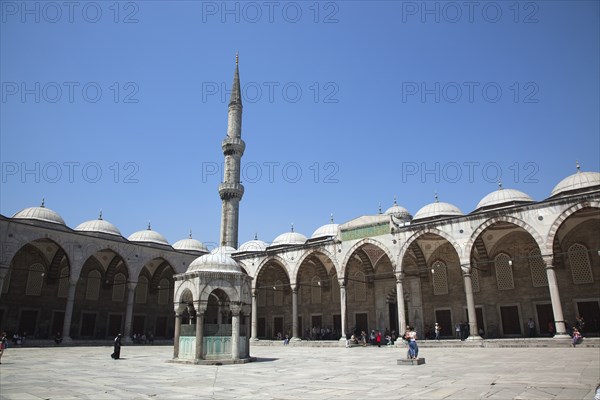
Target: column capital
[399,276]
[131,285]
[342,282]
[549,261]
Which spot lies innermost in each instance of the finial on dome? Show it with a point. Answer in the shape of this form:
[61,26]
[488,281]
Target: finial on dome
[331,218]
[379,208]
[190,233]
[500,184]
[395,200]
[255,236]
[100,216]
[149,227]
[43,202]
[292,227]
[578,166]
[437,200]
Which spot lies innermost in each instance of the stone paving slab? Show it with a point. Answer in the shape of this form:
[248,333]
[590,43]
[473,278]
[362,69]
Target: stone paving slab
[59,373]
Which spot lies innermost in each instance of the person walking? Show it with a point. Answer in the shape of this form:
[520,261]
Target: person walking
[3,345]
[117,348]
[438,330]
[531,326]
[412,344]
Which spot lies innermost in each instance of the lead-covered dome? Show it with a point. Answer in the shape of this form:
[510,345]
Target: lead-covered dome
[190,244]
[215,262]
[289,238]
[579,181]
[399,212]
[254,245]
[40,213]
[437,209]
[98,226]
[502,198]
[329,230]
[148,236]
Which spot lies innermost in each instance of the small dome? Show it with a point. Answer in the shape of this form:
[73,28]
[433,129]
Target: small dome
[253,245]
[399,212]
[190,244]
[289,238]
[40,213]
[437,209]
[503,197]
[217,262]
[148,236]
[577,181]
[98,226]
[328,230]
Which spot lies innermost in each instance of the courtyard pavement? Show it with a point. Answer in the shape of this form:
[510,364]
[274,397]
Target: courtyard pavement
[291,372]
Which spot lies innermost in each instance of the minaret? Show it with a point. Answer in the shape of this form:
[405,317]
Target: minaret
[231,190]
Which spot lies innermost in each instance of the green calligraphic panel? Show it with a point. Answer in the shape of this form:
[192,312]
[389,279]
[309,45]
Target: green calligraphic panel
[366,231]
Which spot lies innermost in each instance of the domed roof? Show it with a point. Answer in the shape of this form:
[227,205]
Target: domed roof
[437,209]
[328,230]
[190,244]
[217,262]
[148,236]
[99,226]
[577,181]
[289,238]
[503,197]
[40,213]
[399,212]
[227,250]
[253,245]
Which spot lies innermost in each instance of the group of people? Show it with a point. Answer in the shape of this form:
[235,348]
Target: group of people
[141,338]
[376,338]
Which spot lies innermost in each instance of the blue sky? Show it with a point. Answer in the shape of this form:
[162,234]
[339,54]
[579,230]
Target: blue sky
[122,106]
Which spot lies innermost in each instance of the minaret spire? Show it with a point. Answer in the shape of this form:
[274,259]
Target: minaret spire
[231,189]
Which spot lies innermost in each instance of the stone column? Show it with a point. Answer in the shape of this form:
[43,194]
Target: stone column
[247,324]
[559,320]
[129,312]
[66,329]
[177,334]
[235,333]
[254,316]
[400,304]
[343,308]
[295,313]
[199,334]
[473,328]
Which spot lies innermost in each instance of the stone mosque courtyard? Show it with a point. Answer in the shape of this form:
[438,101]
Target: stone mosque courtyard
[301,372]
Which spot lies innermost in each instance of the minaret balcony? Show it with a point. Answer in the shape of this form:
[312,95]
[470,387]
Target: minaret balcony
[231,191]
[233,146]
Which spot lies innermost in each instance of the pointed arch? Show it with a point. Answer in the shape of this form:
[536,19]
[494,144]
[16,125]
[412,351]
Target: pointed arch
[360,244]
[415,236]
[550,238]
[508,219]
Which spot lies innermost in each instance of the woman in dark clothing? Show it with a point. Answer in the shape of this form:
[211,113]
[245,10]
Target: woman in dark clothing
[117,353]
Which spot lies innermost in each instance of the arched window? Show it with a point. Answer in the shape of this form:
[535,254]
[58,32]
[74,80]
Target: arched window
[93,285]
[538,269]
[164,291]
[475,278]
[63,283]
[119,285]
[141,290]
[35,280]
[440,278]
[315,290]
[278,296]
[504,272]
[581,270]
